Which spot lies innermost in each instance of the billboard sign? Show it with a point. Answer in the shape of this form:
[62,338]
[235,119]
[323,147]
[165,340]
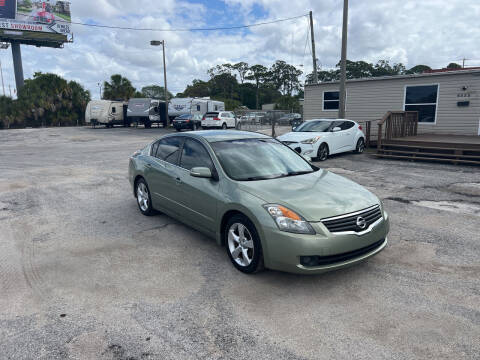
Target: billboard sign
[36,22]
[8,8]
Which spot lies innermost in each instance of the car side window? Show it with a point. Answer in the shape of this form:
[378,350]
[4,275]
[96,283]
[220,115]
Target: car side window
[169,149]
[194,154]
[114,110]
[337,124]
[153,149]
[347,125]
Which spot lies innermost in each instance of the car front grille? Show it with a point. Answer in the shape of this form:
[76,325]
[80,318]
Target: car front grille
[357,222]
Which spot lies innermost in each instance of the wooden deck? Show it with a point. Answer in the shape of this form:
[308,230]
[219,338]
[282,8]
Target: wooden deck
[455,149]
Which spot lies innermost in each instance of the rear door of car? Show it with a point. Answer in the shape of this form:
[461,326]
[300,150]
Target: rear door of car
[198,196]
[161,175]
[347,135]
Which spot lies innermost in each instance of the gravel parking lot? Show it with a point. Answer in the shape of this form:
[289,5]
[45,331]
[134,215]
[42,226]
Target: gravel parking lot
[83,275]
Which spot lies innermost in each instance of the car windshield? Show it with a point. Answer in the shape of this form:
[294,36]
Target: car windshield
[259,159]
[314,126]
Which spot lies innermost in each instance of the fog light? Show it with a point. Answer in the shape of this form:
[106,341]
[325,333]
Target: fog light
[308,260]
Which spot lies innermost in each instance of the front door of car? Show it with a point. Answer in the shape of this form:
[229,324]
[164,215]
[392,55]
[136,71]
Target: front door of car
[161,175]
[198,196]
[336,137]
[231,119]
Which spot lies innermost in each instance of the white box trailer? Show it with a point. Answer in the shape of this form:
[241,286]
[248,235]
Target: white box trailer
[106,112]
[181,106]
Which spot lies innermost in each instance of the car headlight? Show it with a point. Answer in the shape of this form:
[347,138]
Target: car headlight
[312,140]
[288,220]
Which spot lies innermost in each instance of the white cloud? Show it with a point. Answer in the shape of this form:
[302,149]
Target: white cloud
[432,32]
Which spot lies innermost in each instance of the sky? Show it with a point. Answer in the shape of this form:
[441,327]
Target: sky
[431,32]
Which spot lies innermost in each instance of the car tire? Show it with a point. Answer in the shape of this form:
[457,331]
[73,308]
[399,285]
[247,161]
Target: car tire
[144,199]
[360,146]
[322,152]
[178,129]
[148,125]
[245,252]
[224,126]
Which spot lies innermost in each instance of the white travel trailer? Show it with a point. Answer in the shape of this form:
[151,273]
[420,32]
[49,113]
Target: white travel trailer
[181,106]
[105,112]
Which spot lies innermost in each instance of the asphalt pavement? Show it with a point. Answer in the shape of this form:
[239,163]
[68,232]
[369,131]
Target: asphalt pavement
[83,275]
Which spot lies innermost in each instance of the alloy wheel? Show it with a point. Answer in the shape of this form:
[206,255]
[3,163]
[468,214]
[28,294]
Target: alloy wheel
[142,196]
[240,244]
[322,152]
[360,146]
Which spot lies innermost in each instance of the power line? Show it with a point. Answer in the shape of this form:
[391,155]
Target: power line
[180,29]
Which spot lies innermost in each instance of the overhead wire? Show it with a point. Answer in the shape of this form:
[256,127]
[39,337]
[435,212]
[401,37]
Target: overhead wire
[178,29]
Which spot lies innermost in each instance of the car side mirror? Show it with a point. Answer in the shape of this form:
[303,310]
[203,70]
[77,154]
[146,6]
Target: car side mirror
[201,172]
[335,129]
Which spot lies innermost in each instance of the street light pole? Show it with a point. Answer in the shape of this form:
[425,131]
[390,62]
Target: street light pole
[157,43]
[343,63]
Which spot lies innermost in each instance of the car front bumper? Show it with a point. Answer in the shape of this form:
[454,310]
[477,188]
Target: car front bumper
[286,251]
[303,149]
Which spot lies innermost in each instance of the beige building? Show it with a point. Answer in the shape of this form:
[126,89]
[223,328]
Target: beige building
[448,102]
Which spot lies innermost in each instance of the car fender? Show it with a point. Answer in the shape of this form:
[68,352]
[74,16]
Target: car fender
[324,139]
[358,135]
[255,212]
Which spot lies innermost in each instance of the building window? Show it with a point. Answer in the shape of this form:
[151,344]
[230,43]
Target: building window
[331,100]
[422,98]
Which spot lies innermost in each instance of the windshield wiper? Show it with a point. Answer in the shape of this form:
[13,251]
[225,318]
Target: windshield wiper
[266,177]
[294,173]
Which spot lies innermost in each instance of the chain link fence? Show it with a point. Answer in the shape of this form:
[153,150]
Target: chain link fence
[269,122]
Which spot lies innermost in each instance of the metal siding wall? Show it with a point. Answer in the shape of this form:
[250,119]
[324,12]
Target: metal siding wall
[370,100]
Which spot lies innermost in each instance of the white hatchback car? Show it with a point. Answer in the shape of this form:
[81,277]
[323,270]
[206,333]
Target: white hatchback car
[322,137]
[218,119]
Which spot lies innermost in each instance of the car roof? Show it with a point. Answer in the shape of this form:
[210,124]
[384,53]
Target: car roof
[329,120]
[222,135]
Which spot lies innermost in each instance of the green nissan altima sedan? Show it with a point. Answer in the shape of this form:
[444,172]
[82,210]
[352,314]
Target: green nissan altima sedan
[266,204]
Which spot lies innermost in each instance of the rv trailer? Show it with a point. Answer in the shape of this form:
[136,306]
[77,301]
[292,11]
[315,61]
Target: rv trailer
[182,106]
[146,111]
[106,112]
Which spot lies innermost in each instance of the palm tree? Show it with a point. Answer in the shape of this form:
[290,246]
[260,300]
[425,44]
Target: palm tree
[119,88]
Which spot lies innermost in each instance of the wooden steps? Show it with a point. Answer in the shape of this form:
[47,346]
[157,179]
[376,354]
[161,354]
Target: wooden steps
[456,153]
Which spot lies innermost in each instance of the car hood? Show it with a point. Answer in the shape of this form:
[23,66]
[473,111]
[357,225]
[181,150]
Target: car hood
[299,136]
[314,196]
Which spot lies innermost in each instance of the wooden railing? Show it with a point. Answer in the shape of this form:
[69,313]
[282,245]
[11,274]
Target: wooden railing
[396,124]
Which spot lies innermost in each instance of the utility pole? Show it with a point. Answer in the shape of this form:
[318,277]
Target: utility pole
[165,81]
[312,36]
[1,73]
[343,62]
[157,43]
